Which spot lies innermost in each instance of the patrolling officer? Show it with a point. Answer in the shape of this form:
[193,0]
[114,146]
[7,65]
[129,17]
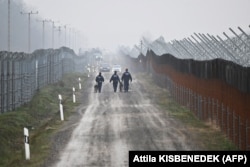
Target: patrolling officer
[126,76]
[99,79]
[115,78]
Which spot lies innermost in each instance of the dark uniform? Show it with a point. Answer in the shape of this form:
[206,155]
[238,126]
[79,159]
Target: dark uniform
[126,76]
[115,78]
[99,79]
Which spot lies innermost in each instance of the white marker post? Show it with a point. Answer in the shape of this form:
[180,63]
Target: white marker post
[61,107]
[26,143]
[61,112]
[88,70]
[74,96]
[60,98]
[80,85]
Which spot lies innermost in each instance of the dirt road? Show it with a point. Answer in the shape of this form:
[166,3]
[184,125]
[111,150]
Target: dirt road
[111,124]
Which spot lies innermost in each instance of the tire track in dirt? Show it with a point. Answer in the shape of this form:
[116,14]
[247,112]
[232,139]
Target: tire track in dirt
[112,124]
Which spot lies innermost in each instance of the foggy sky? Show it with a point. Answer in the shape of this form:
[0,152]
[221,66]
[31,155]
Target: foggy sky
[19,29]
[110,23]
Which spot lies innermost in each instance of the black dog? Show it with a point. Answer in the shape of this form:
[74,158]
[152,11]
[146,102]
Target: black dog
[95,88]
[121,86]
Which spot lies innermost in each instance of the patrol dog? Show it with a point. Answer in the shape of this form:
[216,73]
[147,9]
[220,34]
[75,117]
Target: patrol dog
[95,88]
[120,86]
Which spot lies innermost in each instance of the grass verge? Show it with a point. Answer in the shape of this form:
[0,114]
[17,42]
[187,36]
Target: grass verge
[41,116]
[208,137]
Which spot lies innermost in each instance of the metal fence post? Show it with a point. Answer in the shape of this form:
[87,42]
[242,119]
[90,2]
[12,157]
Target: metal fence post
[205,108]
[189,99]
[200,101]
[212,115]
[239,133]
[217,114]
[247,136]
[209,109]
[234,128]
[222,117]
[228,124]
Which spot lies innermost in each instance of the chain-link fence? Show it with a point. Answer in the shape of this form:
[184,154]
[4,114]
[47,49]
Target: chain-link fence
[23,74]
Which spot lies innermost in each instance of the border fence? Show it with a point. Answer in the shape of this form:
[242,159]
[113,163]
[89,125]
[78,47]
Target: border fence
[207,74]
[216,91]
[23,74]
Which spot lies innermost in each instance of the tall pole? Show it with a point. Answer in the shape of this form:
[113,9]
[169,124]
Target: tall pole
[69,37]
[53,38]
[73,38]
[53,26]
[29,13]
[141,46]
[43,35]
[8,25]
[65,38]
[59,36]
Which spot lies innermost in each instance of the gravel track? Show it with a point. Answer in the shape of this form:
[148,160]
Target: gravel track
[107,125]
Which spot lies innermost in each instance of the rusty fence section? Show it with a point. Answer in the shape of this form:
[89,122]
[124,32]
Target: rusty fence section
[209,109]
[248,135]
[23,74]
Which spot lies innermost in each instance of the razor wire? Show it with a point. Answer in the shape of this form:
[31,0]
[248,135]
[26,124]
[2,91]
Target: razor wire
[234,47]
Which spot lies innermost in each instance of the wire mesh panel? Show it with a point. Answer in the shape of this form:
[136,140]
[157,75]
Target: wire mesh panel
[23,74]
[5,82]
[17,82]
